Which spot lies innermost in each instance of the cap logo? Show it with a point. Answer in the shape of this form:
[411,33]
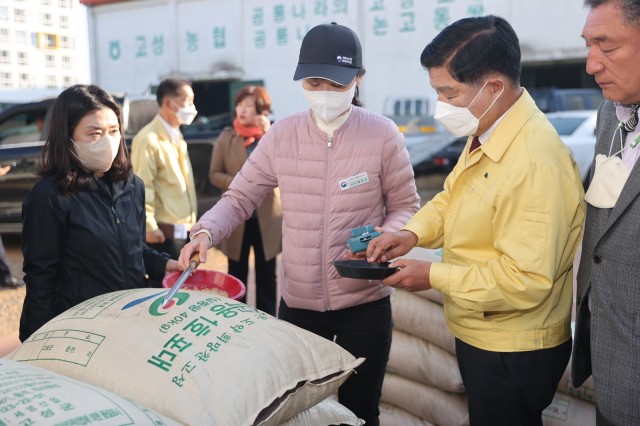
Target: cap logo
[344,59]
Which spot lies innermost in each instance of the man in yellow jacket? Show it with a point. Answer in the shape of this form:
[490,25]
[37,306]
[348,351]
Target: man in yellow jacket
[160,158]
[508,220]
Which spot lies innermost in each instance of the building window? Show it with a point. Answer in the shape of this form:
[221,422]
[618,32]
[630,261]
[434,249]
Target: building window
[47,21]
[23,58]
[4,57]
[63,4]
[24,80]
[4,13]
[21,37]
[5,79]
[46,2]
[68,81]
[48,41]
[20,15]
[50,61]
[64,22]
[4,34]
[66,62]
[51,81]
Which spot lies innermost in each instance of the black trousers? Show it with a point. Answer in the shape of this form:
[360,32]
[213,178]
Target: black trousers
[510,388]
[364,331]
[265,269]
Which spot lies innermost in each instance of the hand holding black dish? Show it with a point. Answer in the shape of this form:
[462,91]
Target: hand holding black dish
[363,270]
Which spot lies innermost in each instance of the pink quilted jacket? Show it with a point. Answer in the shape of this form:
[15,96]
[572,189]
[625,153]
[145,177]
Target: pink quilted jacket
[362,176]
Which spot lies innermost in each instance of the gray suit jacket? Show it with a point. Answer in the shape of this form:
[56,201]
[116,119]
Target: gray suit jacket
[607,338]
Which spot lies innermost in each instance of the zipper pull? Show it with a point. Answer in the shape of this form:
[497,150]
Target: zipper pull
[329,142]
[113,210]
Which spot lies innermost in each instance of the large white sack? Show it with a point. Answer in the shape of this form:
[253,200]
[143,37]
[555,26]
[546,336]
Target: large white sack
[390,415]
[327,412]
[423,362]
[422,318]
[566,410]
[31,395]
[433,295]
[426,402]
[420,253]
[205,359]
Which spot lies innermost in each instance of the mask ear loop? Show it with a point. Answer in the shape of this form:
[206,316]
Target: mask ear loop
[618,129]
[492,103]
[478,94]
[633,143]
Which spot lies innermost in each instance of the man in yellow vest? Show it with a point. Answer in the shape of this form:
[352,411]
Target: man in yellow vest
[159,157]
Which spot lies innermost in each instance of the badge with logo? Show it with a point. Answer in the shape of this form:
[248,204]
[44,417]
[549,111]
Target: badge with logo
[353,181]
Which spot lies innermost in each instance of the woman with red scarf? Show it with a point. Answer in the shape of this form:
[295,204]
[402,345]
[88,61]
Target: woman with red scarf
[263,230]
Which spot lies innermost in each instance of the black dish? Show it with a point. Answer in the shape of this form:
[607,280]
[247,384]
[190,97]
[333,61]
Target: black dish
[363,270]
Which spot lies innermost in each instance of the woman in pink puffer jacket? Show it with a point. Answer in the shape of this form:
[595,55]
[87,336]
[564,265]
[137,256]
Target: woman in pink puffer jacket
[338,167]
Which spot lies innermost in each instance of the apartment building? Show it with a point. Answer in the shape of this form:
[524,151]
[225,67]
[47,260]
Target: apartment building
[43,44]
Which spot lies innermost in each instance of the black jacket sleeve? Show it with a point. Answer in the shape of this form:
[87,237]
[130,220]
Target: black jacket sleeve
[155,262]
[43,218]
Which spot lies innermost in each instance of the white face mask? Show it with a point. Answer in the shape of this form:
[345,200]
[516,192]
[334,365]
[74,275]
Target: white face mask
[329,105]
[186,114]
[609,177]
[460,121]
[99,155]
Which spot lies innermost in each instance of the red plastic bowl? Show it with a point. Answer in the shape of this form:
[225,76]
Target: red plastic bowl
[207,279]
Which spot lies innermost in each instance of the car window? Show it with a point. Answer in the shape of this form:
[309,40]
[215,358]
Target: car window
[566,125]
[141,112]
[204,124]
[596,100]
[575,102]
[5,105]
[396,108]
[542,101]
[22,127]
[407,107]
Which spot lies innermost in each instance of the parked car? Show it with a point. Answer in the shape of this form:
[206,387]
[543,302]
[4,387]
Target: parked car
[413,114]
[443,160]
[23,130]
[575,128]
[554,99]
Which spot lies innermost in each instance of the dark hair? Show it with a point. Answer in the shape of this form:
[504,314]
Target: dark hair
[71,106]
[630,9]
[356,97]
[260,95]
[169,87]
[472,48]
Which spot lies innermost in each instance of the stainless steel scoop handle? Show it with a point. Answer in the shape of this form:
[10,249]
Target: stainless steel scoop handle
[176,286]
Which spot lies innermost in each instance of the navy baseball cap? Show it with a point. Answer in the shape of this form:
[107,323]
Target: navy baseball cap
[329,51]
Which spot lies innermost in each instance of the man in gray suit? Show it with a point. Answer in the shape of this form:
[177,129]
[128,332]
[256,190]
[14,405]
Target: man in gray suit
[607,340]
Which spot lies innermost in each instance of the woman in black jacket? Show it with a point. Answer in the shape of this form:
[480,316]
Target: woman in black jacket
[84,220]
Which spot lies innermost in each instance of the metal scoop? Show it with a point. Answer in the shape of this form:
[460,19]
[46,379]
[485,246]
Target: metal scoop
[195,260]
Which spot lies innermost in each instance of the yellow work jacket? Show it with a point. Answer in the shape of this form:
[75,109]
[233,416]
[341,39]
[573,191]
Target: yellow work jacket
[509,221]
[165,168]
